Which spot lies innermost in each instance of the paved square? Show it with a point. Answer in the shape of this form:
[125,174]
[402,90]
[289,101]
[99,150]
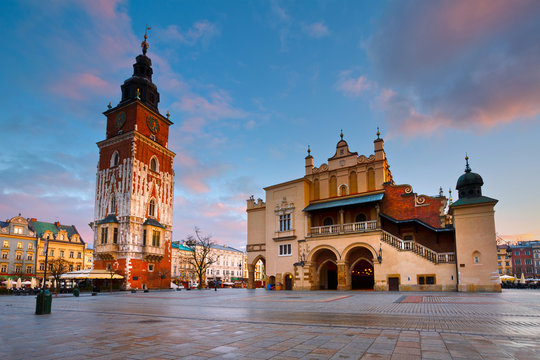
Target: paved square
[258,324]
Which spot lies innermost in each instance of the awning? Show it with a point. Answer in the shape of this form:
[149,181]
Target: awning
[345,202]
[90,274]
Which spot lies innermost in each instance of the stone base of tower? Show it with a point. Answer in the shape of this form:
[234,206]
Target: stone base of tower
[479,288]
[138,273]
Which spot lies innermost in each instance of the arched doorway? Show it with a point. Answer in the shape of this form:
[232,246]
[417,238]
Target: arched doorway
[360,263]
[362,275]
[324,269]
[328,276]
[288,282]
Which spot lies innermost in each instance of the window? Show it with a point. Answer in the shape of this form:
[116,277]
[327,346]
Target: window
[42,252]
[426,279]
[154,164]
[62,254]
[61,236]
[528,262]
[29,269]
[70,267]
[112,210]
[3,269]
[79,255]
[499,263]
[144,238]
[499,257]
[104,235]
[51,252]
[115,159]
[155,238]
[17,230]
[508,263]
[527,252]
[115,236]
[150,267]
[516,253]
[19,245]
[41,266]
[78,267]
[5,254]
[343,190]
[30,257]
[285,250]
[152,208]
[18,269]
[517,261]
[328,221]
[6,243]
[50,267]
[108,267]
[285,222]
[30,246]
[360,218]
[476,257]
[18,256]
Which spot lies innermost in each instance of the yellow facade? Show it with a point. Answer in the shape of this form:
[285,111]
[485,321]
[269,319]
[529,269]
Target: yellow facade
[72,249]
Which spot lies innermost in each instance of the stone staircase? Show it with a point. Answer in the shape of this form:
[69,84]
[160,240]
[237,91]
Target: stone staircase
[420,250]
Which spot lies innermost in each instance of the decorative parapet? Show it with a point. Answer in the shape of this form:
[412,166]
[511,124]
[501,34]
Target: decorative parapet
[256,247]
[252,204]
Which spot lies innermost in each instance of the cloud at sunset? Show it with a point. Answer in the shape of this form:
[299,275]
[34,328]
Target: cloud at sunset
[458,64]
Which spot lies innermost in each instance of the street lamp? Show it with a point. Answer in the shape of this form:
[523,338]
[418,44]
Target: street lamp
[379,256]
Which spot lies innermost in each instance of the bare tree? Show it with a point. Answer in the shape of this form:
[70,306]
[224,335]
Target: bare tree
[57,268]
[202,255]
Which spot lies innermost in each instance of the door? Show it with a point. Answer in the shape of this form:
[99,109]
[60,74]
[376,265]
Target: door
[288,282]
[393,284]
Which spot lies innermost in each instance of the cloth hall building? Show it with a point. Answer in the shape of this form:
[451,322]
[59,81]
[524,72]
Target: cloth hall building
[347,225]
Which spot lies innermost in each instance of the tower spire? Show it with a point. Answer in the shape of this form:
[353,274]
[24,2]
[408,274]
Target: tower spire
[341,134]
[144,44]
[467,167]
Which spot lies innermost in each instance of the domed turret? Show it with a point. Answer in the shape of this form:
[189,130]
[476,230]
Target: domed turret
[469,185]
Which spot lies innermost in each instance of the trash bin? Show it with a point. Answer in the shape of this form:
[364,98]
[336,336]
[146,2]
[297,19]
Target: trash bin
[269,286]
[42,309]
[76,292]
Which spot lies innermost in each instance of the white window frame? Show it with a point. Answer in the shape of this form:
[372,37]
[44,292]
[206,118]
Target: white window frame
[285,250]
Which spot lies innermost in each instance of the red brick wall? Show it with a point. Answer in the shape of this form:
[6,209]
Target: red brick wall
[399,203]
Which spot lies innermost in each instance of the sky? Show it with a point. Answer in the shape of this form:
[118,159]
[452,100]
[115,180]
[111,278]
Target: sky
[250,84]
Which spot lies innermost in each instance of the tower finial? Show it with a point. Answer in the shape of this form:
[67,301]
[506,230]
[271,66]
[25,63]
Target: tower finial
[341,134]
[467,167]
[378,133]
[144,44]
[308,150]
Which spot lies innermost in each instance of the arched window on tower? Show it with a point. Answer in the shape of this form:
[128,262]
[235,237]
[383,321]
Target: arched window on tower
[343,190]
[115,159]
[152,208]
[112,210]
[154,165]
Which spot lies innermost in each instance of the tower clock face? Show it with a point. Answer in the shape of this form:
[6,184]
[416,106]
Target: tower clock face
[120,120]
[153,124]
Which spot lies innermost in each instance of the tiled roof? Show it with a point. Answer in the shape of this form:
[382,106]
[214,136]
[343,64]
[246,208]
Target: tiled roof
[39,227]
[228,248]
[3,224]
[153,222]
[181,247]
[109,219]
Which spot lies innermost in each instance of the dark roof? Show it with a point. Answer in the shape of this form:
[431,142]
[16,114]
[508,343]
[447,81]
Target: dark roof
[420,222]
[109,219]
[153,222]
[473,200]
[3,224]
[345,202]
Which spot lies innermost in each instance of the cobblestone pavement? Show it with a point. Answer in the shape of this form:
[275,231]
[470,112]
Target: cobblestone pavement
[259,324]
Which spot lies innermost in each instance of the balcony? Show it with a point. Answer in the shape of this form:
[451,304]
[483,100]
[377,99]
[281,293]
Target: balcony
[357,227]
[107,251]
[153,253]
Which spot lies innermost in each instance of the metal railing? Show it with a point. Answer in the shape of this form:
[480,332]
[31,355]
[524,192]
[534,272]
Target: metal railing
[420,250]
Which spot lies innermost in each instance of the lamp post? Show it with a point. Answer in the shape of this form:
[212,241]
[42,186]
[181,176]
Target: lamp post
[45,275]
[379,256]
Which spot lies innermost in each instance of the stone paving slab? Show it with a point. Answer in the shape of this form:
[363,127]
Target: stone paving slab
[247,324]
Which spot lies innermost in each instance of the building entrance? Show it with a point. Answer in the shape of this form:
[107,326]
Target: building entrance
[328,276]
[362,276]
[288,282]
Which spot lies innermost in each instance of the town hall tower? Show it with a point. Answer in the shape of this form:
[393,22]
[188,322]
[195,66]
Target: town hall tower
[135,185]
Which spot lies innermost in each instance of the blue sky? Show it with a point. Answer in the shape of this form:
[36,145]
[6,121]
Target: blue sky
[250,84]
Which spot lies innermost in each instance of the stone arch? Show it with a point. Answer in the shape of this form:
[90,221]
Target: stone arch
[252,270]
[343,190]
[323,267]
[359,259]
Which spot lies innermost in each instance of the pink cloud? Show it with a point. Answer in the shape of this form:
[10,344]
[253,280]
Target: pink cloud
[457,64]
[353,86]
[201,31]
[82,85]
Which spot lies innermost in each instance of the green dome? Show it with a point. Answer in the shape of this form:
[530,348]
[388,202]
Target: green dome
[469,185]
[469,178]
